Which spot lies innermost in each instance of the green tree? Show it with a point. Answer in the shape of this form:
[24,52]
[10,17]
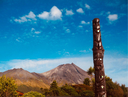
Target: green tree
[33,94]
[91,71]
[7,87]
[53,85]
[54,89]
[87,81]
[70,90]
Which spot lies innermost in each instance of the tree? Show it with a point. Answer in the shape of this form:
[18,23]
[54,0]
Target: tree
[33,94]
[54,89]
[81,88]
[113,89]
[91,71]
[53,85]
[87,81]
[7,87]
[124,90]
[70,90]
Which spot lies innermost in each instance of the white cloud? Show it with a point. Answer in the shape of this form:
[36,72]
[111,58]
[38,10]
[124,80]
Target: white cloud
[83,22]
[112,17]
[69,12]
[80,26]
[44,15]
[29,17]
[87,6]
[50,63]
[54,14]
[18,39]
[34,31]
[82,51]
[80,10]
[37,32]
[68,30]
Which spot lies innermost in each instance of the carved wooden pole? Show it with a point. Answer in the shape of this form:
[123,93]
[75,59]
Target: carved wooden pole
[98,53]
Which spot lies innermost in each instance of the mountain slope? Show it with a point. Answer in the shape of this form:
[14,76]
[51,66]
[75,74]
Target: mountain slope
[67,73]
[23,77]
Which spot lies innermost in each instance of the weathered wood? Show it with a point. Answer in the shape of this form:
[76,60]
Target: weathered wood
[98,54]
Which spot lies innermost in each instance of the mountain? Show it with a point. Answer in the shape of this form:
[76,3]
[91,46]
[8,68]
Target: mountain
[67,73]
[25,79]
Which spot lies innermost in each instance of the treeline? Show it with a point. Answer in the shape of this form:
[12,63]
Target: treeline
[86,89]
[8,88]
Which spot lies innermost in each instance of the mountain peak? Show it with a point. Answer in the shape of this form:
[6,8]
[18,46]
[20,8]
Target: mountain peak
[67,73]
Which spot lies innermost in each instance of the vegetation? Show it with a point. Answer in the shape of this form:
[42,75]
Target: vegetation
[113,88]
[68,90]
[87,81]
[124,90]
[91,70]
[33,94]
[7,87]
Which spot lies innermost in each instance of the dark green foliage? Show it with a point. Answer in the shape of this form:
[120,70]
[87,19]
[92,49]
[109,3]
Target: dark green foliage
[54,90]
[69,89]
[7,87]
[87,93]
[91,71]
[53,85]
[86,81]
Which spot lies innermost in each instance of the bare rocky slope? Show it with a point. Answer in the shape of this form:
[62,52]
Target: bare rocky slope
[67,73]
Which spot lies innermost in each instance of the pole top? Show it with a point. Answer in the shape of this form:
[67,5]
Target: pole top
[96,20]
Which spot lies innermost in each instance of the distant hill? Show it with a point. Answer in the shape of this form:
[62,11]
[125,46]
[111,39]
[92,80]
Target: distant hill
[65,73]
[25,79]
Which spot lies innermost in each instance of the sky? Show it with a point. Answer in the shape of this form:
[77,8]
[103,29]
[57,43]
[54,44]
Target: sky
[39,35]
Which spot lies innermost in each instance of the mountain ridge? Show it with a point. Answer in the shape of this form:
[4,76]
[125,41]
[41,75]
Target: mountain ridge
[64,73]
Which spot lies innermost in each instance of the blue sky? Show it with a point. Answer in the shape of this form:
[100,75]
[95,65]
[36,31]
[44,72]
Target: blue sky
[39,35]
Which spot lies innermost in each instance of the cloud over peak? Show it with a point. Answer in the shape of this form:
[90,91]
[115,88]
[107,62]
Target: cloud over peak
[54,14]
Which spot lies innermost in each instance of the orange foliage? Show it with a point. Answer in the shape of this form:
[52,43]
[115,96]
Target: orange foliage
[20,93]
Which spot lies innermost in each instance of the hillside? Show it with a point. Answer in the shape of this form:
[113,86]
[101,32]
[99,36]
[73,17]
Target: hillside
[67,73]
